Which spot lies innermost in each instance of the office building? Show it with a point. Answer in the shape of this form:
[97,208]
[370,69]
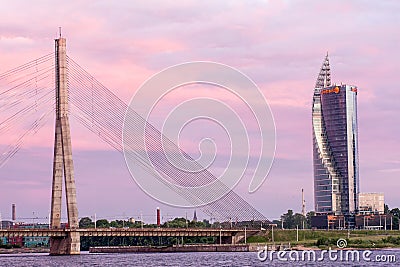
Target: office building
[335,145]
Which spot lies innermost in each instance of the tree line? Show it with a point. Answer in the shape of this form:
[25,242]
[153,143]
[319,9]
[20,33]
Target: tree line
[87,222]
[291,220]
[87,242]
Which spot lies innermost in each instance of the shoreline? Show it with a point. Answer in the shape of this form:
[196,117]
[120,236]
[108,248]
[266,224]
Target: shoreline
[301,248]
[174,249]
[23,250]
[249,247]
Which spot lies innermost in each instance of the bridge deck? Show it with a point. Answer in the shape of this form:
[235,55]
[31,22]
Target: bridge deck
[122,232]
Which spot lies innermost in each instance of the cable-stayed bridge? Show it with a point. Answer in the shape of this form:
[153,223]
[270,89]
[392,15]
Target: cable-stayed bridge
[55,85]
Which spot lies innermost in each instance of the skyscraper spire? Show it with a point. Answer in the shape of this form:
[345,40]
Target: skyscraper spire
[324,77]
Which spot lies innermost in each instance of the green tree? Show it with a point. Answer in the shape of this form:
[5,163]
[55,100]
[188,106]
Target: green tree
[116,224]
[288,220]
[308,218]
[396,216]
[198,224]
[298,220]
[86,222]
[206,223]
[103,223]
[386,209]
[291,221]
[395,212]
[176,223]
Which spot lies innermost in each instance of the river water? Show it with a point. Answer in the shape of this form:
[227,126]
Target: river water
[190,259]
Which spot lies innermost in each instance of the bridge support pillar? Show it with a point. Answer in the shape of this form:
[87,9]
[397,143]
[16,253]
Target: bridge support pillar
[63,163]
[69,245]
[233,239]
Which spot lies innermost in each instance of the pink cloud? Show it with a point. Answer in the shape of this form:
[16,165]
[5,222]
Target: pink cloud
[279,44]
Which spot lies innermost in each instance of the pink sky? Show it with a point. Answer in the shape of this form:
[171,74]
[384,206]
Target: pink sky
[279,44]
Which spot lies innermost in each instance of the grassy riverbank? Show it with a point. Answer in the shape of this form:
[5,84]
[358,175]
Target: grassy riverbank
[323,239]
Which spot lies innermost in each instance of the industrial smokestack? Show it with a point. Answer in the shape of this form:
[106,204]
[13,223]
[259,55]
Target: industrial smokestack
[158,217]
[14,213]
[303,203]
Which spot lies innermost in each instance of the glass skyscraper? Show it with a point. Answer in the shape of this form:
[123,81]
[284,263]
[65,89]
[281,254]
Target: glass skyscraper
[335,146]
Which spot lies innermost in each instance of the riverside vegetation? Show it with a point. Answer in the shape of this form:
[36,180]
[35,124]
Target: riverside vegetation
[323,239]
[286,232]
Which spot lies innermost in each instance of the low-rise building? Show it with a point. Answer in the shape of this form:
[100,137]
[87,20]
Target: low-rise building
[374,221]
[371,203]
[34,241]
[329,221]
[16,241]
[6,224]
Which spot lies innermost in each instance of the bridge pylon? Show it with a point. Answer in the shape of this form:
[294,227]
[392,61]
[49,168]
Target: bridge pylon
[63,164]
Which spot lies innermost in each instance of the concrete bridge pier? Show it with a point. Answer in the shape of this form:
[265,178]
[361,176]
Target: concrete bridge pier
[232,240]
[69,245]
[238,237]
[63,163]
